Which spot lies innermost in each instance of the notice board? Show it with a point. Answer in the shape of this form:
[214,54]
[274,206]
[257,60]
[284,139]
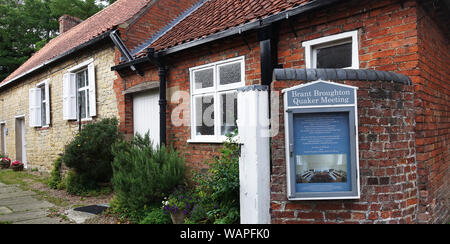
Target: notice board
[321,145]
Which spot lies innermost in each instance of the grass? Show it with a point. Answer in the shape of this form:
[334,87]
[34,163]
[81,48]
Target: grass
[20,178]
[24,179]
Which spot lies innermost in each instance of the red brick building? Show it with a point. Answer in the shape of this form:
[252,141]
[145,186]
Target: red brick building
[395,52]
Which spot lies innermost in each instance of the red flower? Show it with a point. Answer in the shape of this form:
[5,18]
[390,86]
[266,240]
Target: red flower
[15,163]
[6,159]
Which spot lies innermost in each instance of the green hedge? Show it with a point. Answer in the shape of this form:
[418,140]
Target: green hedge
[89,156]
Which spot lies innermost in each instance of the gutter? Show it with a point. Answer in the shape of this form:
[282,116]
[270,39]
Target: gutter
[59,57]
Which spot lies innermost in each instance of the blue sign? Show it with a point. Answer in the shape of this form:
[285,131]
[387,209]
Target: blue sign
[321,120]
[321,94]
[322,152]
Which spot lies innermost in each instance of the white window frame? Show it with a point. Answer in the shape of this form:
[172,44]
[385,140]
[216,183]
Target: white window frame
[329,41]
[216,91]
[84,89]
[45,102]
[37,104]
[91,109]
[4,132]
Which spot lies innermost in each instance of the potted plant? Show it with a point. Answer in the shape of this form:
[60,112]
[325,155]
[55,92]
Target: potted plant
[5,162]
[179,204]
[17,166]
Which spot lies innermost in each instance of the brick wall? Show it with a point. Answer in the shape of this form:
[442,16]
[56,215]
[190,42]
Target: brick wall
[386,157]
[433,120]
[178,80]
[394,36]
[389,39]
[152,19]
[387,34]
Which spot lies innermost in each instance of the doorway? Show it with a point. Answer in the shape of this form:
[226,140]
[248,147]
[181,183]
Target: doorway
[146,114]
[3,139]
[21,154]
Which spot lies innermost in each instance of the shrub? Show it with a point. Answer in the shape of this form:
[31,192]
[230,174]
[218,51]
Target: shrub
[156,216]
[55,175]
[143,174]
[218,189]
[89,155]
[78,184]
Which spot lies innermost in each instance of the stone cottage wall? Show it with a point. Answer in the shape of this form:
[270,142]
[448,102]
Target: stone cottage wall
[44,144]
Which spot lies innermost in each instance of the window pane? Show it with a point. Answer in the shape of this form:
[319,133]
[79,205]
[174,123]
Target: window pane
[86,77]
[43,107]
[228,104]
[204,78]
[81,79]
[43,93]
[204,115]
[230,73]
[44,114]
[87,102]
[82,101]
[339,56]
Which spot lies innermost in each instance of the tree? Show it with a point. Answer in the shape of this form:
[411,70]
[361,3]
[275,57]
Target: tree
[27,25]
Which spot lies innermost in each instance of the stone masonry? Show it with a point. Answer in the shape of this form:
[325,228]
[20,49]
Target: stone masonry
[44,144]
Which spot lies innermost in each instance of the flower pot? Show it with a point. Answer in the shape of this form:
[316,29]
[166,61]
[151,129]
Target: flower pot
[4,165]
[177,218]
[17,167]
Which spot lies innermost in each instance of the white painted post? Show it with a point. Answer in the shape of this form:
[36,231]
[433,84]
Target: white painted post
[254,163]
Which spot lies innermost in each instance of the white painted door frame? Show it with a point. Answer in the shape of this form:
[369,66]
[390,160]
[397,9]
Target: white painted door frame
[3,137]
[20,124]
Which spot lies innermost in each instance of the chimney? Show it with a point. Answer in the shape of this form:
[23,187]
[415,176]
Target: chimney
[67,22]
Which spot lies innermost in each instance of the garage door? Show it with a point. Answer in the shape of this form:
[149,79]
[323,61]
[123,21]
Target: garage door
[146,114]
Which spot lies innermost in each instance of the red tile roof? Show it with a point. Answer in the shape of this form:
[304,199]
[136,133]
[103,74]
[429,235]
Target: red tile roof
[219,15]
[105,20]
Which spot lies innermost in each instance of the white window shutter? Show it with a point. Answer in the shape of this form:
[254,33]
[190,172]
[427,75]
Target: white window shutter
[47,104]
[35,107]
[92,91]
[69,97]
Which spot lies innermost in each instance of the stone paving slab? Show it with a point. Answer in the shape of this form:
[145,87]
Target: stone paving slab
[5,210]
[15,194]
[16,200]
[33,205]
[23,216]
[20,207]
[78,217]
[44,220]
[8,189]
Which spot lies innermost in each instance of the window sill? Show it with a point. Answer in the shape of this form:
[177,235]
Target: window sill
[211,141]
[46,127]
[205,141]
[83,121]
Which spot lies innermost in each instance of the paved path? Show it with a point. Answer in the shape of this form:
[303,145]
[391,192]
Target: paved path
[21,207]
